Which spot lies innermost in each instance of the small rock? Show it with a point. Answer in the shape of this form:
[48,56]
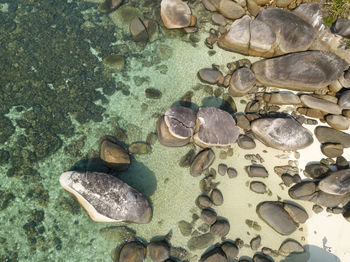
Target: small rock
[208,216]
[255,243]
[218,19]
[281,98]
[329,135]
[317,209]
[230,250]
[231,172]
[287,179]
[220,228]
[138,30]
[342,27]
[341,163]
[290,246]
[257,171]
[202,161]
[242,121]
[253,8]
[298,214]
[258,187]
[187,159]
[241,82]
[222,169]
[204,201]
[304,190]
[114,156]
[332,150]
[153,93]
[283,3]
[185,228]
[210,75]
[337,183]
[246,142]
[200,241]
[316,170]
[261,258]
[140,148]
[217,197]
[132,252]
[320,104]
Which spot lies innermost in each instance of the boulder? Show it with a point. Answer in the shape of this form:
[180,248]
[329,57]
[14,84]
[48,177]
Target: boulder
[220,228]
[338,122]
[262,39]
[312,14]
[107,198]
[133,251]
[332,150]
[138,30]
[241,82]
[342,27]
[257,171]
[230,249]
[180,121]
[237,37]
[255,242]
[214,255]
[326,134]
[282,133]
[175,14]
[290,246]
[320,104]
[281,98]
[337,183]
[215,127]
[230,9]
[246,142]
[293,33]
[202,161]
[208,216]
[166,138]
[344,100]
[210,75]
[114,156]
[303,71]
[273,213]
[298,214]
[158,251]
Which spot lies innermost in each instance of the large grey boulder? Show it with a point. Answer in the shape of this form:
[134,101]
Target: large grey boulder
[320,104]
[262,39]
[175,14]
[312,14]
[326,134]
[337,183]
[282,133]
[180,121]
[273,213]
[215,127]
[304,71]
[342,26]
[293,33]
[107,198]
[344,100]
[241,82]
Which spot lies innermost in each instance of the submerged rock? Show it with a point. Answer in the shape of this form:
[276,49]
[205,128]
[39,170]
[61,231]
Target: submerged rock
[175,14]
[202,161]
[114,156]
[180,121]
[337,183]
[282,133]
[107,198]
[215,128]
[132,252]
[200,242]
[304,71]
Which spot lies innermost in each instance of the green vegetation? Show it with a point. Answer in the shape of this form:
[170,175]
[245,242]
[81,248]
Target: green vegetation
[335,8]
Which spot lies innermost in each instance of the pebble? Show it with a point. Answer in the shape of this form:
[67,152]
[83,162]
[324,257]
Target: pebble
[204,201]
[255,243]
[220,228]
[217,197]
[258,187]
[208,216]
[231,172]
[222,169]
[257,171]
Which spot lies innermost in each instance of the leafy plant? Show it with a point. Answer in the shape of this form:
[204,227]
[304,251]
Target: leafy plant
[335,8]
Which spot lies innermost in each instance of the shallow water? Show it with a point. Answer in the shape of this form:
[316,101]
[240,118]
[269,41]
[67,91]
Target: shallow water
[61,100]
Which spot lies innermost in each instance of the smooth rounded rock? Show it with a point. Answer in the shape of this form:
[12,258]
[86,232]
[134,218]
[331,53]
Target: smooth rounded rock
[338,122]
[304,190]
[257,171]
[210,75]
[316,170]
[344,100]
[202,161]
[262,39]
[241,82]
[326,134]
[246,142]
[114,155]
[220,228]
[332,150]
[298,214]
[342,27]
[320,104]
[218,19]
[230,249]
[281,98]
[214,255]
[180,121]
[175,14]
[230,9]
[200,242]
[282,133]
[337,183]
[132,252]
[290,246]
[222,169]
[258,187]
[166,138]
[217,197]
[158,251]
[208,216]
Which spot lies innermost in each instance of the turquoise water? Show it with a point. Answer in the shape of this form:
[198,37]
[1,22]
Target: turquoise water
[58,99]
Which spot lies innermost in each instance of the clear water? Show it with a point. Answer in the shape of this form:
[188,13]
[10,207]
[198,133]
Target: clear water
[58,100]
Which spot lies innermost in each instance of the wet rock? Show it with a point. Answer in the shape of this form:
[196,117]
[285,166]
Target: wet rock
[210,75]
[202,161]
[298,214]
[218,19]
[222,169]
[241,82]
[187,159]
[290,246]
[208,216]
[255,243]
[230,9]
[231,172]
[258,187]
[214,255]
[246,142]
[215,128]
[237,38]
[140,148]
[166,138]
[185,228]
[344,100]
[304,71]
[158,251]
[217,197]
[316,170]
[220,228]
[294,33]
[230,249]
[303,190]
[282,133]
[180,121]
[114,156]
[106,198]
[317,209]
[281,98]
[320,104]
[261,258]
[342,27]
[153,93]
[138,30]
[200,241]
[132,252]
[175,14]
[273,213]
[329,135]
[337,183]
[257,171]
[332,150]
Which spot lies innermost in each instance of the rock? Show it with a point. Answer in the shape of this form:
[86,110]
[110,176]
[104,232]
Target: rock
[255,243]
[237,38]
[287,169]
[114,63]
[152,30]
[320,104]
[282,133]
[185,228]
[273,213]
[208,5]
[166,138]
[123,16]
[304,71]
[215,128]
[290,246]
[317,209]
[230,249]
[332,150]
[316,170]
[109,5]
[312,13]
[220,228]
[329,200]
[346,214]
[203,201]
[341,163]
[337,183]
[311,112]
[287,179]
[140,148]
[132,252]
[262,2]
[180,121]
[304,190]
[253,8]
[200,242]
[158,251]
[294,33]
[231,172]
[242,121]
[342,27]
[175,14]
[210,75]
[114,156]
[329,135]
[242,81]
[335,87]
[107,198]
[338,122]
[202,161]
[208,216]
[115,234]
[218,19]
[258,257]
[258,187]
[217,197]
[262,38]
[138,30]
[283,3]
[230,9]
[246,142]
[298,214]
[344,100]
[214,255]
[222,169]
[153,93]
[257,171]
[281,98]
[187,159]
